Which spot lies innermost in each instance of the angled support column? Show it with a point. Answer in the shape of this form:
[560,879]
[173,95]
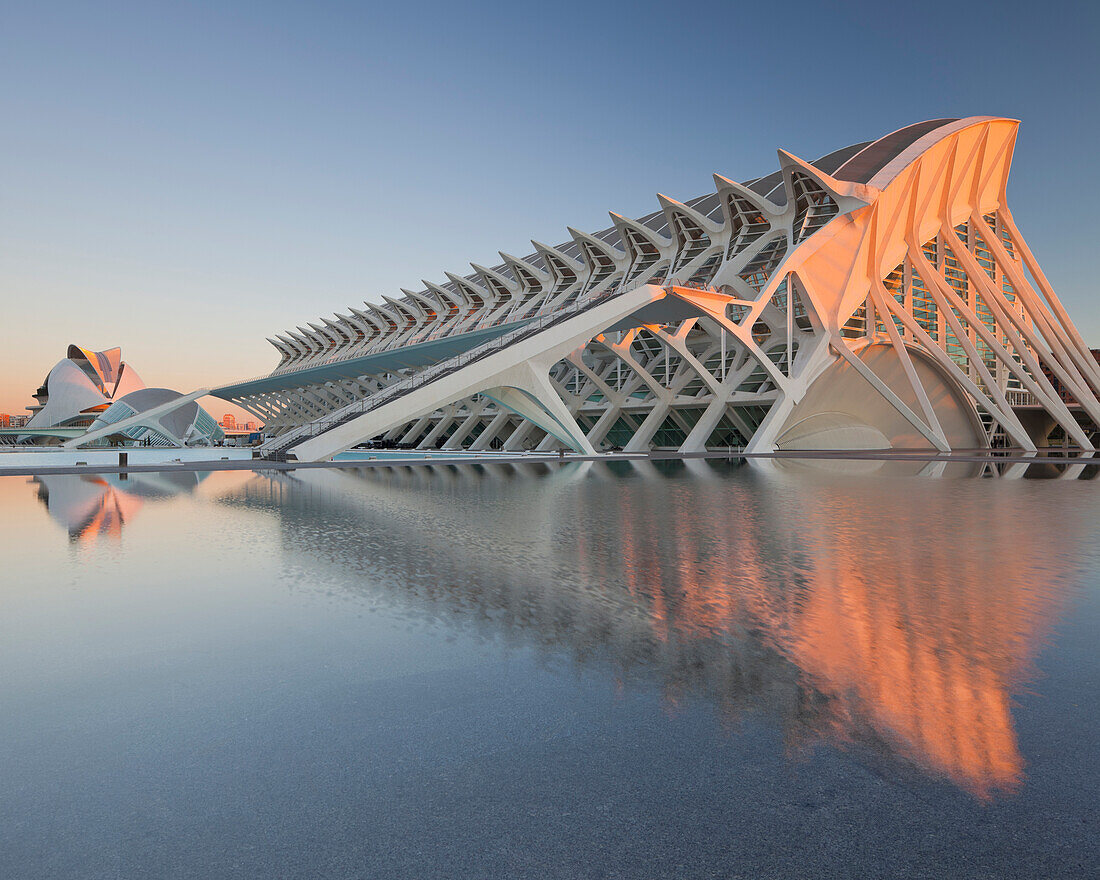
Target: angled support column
[649,426]
[418,428]
[697,438]
[445,422]
[485,438]
[878,293]
[946,298]
[516,438]
[532,395]
[1007,418]
[466,426]
[1085,362]
[605,423]
[1066,372]
[882,388]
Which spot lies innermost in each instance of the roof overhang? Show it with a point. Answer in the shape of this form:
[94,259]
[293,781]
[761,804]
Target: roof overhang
[415,356]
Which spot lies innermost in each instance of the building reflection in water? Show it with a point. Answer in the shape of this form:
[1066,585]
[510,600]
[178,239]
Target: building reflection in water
[891,618]
[95,506]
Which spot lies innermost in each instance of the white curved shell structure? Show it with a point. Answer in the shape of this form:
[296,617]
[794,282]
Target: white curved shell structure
[96,389]
[80,386]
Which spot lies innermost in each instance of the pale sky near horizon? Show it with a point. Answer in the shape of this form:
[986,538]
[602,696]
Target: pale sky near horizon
[186,179]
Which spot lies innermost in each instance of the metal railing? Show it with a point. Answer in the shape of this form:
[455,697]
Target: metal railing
[1021,398]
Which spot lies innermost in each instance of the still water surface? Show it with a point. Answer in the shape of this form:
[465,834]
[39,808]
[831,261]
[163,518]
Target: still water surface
[578,671]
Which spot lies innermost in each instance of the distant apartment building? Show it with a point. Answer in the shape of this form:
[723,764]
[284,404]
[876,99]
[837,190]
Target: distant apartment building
[231,426]
[239,433]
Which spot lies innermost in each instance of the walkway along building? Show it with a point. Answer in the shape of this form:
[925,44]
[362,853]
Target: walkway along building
[879,297]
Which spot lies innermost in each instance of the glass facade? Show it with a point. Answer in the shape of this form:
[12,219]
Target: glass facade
[856,326]
[895,287]
[813,207]
[924,308]
[748,225]
[760,268]
[693,241]
[956,277]
[908,285]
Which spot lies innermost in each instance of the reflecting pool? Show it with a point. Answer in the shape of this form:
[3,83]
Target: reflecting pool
[581,670]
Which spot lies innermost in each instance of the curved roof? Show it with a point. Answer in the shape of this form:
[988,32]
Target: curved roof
[102,367]
[855,163]
[147,398]
[69,392]
[175,425]
[865,164]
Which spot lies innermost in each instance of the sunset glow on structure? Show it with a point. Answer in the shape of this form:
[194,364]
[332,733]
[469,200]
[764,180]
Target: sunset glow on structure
[877,668]
[96,395]
[879,297]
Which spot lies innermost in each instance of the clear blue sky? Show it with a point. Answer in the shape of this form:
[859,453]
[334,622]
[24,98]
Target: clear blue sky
[184,179]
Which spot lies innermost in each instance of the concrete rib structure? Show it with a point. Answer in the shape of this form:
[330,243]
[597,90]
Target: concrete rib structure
[879,297]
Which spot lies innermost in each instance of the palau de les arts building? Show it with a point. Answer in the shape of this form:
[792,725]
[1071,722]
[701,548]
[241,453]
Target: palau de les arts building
[97,396]
[880,297]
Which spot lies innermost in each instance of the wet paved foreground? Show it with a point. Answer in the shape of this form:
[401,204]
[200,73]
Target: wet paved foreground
[686,669]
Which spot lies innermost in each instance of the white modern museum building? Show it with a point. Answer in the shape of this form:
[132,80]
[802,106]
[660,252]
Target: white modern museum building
[879,297]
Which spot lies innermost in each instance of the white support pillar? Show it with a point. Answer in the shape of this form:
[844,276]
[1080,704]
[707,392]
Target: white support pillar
[486,437]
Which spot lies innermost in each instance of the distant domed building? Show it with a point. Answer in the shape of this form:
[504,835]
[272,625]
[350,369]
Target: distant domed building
[91,390]
[187,425]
